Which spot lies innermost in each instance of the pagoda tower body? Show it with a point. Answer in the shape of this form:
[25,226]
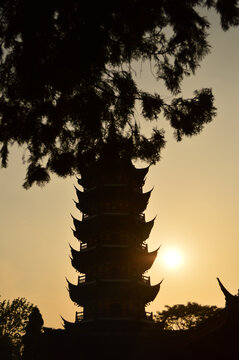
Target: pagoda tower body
[113,256]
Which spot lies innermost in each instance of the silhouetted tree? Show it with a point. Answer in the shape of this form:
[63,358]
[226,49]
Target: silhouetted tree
[185,317]
[13,320]
[6,348]
[67,74]
[32,337]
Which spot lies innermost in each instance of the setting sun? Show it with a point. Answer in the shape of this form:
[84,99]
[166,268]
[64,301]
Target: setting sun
[172,258]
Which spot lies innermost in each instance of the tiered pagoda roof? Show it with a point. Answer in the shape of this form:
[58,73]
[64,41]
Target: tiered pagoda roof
[133,225]
[139,257]
[113,255]
[123,197]
[119,289]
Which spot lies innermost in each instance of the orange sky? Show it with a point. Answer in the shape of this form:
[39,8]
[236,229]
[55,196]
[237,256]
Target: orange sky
[195,198]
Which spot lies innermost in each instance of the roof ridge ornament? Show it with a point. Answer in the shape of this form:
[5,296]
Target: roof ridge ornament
[230,299]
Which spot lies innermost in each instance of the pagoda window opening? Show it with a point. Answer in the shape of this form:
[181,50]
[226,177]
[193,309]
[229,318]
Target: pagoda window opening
[83,246]
[79,316]
[149,315]
[144,246]
[145,279]
[141,216]
[81,279]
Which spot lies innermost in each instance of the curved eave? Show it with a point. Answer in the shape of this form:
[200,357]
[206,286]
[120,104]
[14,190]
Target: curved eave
[78,206]
[76,265]
[152,293]
[80,197]
[77,236]
[148,228]
[230,299]
[77,223]
[134,197]
[119,248]
[68,325]
[146,260]
[82,226]
[141,199]
[81,294]
[135,225]
[147,195]
[149,293]
[80,181]
[85,194]
[76,261]
[82,260]
[140,173]
[86,292]
[74,253]
[79,193]
[144,228]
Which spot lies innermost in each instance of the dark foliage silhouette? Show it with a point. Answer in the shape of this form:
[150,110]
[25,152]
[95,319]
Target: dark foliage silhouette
[13,320]
[67,75]
[185,317]
[7,349]
[32,337]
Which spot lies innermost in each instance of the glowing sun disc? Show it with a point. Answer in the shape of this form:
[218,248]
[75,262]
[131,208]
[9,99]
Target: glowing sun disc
[172,258]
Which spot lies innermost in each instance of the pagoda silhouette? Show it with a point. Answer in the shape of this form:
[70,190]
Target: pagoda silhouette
[113,257]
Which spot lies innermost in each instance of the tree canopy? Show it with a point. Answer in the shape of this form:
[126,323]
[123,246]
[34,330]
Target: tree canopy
[185,317]
[14,317]
[67,77]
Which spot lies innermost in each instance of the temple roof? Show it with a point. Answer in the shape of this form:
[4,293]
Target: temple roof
[82,260]
[112,288]
[133,224]
[89,199]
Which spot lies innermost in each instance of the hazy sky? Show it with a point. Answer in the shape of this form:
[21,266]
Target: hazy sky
[195,198]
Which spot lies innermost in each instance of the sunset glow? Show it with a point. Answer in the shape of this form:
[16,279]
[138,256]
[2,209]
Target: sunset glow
[172,258]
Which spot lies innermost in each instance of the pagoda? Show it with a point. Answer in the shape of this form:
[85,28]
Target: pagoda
[113,255]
